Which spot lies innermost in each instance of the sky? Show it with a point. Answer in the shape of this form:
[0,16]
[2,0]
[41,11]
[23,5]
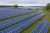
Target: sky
[7,2]
[25,2]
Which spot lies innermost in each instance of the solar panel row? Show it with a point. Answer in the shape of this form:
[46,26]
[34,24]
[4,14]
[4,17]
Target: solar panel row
[25,23]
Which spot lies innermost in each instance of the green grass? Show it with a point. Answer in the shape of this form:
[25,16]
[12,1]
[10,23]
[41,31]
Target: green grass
[47,17]
[49,30]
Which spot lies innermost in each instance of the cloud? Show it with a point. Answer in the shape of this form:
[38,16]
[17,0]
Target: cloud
[31,4]
[22,2]
[32,1]
[6,2]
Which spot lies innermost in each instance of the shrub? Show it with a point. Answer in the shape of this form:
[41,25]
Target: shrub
[48,6]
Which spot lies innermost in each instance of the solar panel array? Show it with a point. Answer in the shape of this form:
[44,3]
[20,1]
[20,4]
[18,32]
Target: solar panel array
[15,21]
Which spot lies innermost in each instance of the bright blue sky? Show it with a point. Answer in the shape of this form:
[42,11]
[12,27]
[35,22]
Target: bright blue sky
[25,2]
